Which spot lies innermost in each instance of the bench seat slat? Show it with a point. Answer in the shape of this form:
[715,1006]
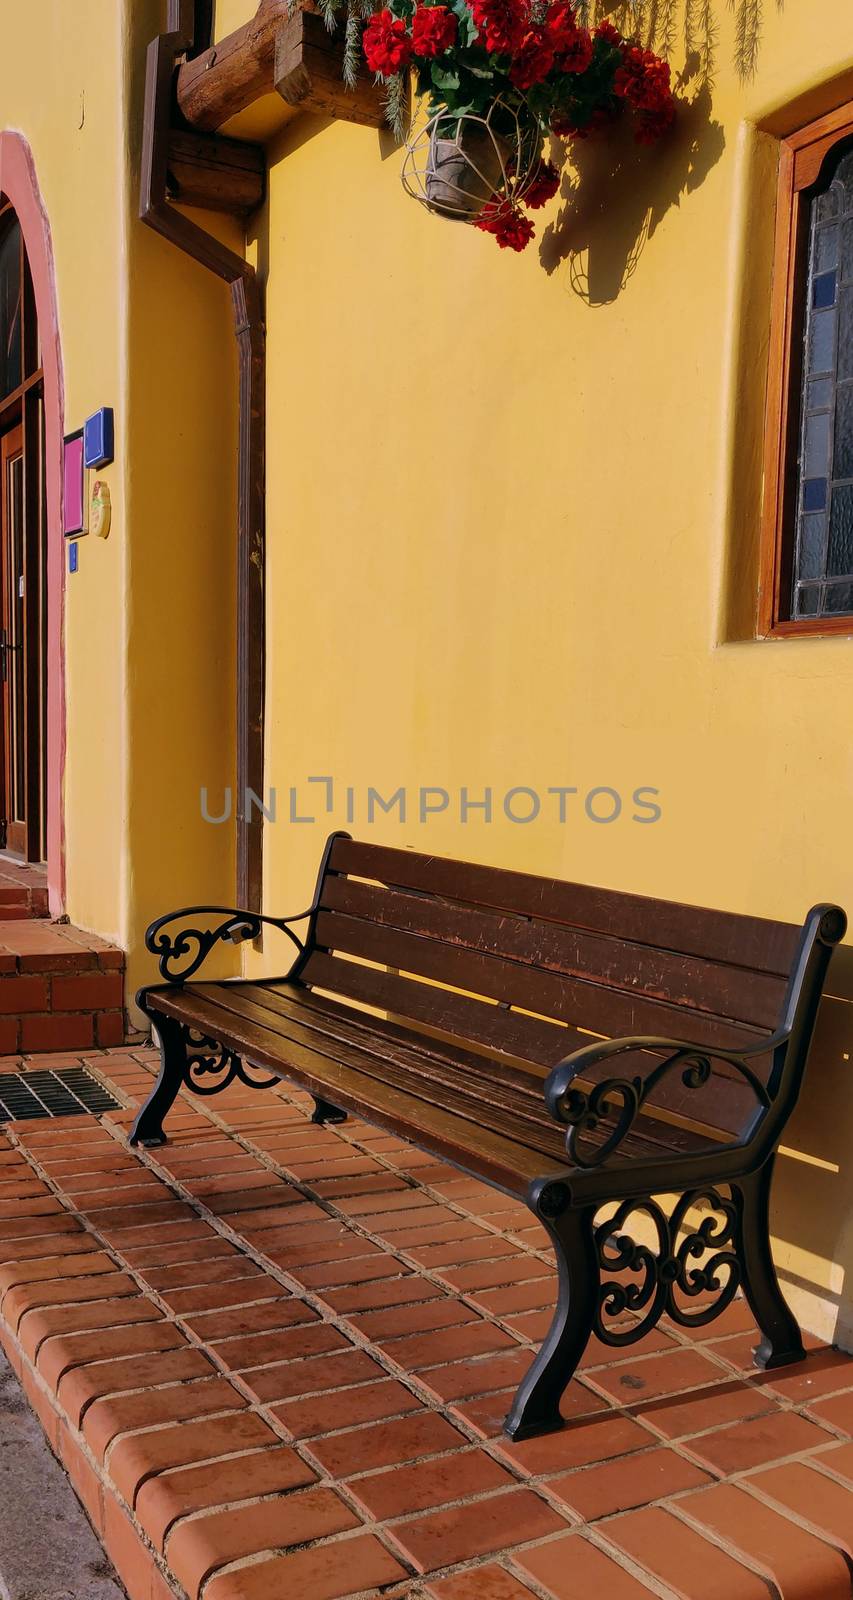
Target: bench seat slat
[512,1114]
[510,1111]
[609,1012]
[755,942]
[726,1111]
[520,1093]
[612,962]
[495,1028]
[510,1166]
[345,1023]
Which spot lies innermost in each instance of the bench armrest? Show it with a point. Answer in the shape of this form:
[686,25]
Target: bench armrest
[192,945]
[581,1108]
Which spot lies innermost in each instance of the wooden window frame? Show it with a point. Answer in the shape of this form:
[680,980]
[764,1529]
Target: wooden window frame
[801,159]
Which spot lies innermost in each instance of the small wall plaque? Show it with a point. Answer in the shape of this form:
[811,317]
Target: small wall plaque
[101,511]
[99,439]
[73,486]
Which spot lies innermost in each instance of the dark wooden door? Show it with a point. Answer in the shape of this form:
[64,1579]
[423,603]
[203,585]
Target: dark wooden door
[14,665]
[23,548]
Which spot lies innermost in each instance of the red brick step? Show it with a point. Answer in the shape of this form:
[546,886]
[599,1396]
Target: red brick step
[23,890]
[60,988]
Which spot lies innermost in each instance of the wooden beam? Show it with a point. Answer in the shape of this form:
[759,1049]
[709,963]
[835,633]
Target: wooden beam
[233,73]
[219,174]
[295,55]
[309,73]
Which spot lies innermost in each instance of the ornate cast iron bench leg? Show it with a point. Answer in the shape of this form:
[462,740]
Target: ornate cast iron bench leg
[147,1130]
[709,1242]
[782,1342]
[536,1407]
[191,1060]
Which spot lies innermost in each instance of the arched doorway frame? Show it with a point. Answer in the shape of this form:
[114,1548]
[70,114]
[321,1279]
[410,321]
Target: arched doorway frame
[19,184]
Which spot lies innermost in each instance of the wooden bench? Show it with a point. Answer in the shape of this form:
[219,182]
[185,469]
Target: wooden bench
[501,1006]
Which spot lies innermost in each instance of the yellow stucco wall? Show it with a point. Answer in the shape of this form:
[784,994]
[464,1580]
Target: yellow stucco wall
[181,604]
[63,98]
[149,616]
[512,512]
[231,14]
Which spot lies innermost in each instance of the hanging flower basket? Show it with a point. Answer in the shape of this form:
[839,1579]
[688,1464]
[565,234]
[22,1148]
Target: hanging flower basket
[458,166]
[463,167]
[498,77]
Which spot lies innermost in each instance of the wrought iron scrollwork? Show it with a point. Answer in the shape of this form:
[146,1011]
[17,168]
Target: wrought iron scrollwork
[702,1261]
[620,1100]
[206,1058]
[182,952]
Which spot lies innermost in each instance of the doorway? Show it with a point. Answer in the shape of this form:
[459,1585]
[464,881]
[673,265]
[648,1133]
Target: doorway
[23,608]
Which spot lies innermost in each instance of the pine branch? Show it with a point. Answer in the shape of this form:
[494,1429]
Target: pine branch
[668,30]
[691,23]
[396,105]
[352,47]
[707,42]
[639,19]
[747,36]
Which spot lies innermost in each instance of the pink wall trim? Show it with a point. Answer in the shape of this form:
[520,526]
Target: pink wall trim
[19,184]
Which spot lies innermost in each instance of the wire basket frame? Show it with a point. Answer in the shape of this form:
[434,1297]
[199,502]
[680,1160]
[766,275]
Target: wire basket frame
[457,165]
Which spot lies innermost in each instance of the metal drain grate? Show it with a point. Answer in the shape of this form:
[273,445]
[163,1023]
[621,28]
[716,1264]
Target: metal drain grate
[52,1094]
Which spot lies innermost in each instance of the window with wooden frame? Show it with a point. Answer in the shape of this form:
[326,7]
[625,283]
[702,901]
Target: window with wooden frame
[806,584]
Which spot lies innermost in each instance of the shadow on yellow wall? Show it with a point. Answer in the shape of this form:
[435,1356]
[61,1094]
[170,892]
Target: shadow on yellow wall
[811,1208]
[617,192]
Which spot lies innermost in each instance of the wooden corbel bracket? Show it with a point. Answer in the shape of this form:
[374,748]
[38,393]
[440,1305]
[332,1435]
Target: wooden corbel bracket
[219,174]
[294,55]
[308,74]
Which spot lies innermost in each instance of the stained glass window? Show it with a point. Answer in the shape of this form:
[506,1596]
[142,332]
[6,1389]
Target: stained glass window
[823,553]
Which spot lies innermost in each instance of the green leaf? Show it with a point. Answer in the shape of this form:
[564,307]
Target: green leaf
[444,79]
[467,25]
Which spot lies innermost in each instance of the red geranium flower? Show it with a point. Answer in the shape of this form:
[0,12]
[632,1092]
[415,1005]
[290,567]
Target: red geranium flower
[387,46]
[609,32]
[512,230]
[543,188]
[572,44]
[579,55]
[503,23]
[561,24]
[533,61]
[433,30]
[643,80]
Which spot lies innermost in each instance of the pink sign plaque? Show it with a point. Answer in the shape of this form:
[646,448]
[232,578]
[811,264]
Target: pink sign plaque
[73,497]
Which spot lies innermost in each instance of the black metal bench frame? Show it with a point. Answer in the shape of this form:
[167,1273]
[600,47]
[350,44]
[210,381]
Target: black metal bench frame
[705,1264]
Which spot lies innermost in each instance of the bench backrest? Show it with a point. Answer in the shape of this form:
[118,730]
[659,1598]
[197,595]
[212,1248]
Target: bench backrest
[530,967]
